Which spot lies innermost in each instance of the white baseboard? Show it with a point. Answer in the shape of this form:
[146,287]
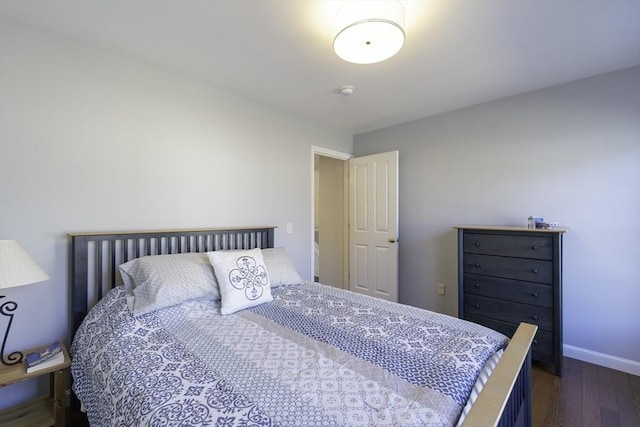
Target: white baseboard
[602,359]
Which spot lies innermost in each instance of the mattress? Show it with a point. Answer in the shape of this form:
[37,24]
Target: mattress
[314,356]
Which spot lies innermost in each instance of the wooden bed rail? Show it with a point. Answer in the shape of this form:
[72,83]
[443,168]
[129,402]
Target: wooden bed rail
[505,399]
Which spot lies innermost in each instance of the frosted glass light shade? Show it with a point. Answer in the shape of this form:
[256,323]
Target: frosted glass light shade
[369,32]
[16,266]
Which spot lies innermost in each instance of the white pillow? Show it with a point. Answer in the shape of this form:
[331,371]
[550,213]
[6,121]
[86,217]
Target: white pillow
[280,267]
[159,281]
[242,277]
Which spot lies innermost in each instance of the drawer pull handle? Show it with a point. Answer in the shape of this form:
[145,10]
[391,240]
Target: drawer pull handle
[477,285]
[534,317]
[534,247]
[476,243]
[535,295]
[477,264]
[477,305]
[534,270]
[535,341]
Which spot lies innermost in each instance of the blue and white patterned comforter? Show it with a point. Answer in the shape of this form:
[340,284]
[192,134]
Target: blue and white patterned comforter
[314,356]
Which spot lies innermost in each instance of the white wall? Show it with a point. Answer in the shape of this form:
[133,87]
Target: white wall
[569,153]
[92,141]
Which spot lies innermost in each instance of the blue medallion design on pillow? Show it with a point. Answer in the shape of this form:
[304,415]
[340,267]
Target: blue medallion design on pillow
[250,277]
[243,278]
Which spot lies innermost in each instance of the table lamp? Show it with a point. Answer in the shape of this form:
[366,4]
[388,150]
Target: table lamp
[16,269]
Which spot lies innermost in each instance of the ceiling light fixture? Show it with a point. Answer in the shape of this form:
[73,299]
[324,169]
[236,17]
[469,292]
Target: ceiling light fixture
[369,31]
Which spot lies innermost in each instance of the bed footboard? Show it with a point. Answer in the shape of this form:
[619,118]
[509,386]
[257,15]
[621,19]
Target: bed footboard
[506,398]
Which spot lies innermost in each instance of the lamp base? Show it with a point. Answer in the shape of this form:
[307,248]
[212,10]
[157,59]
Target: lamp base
[16,357]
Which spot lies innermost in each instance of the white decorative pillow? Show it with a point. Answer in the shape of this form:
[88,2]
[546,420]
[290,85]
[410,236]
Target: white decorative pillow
[159,281]
[243,279]
[280,267]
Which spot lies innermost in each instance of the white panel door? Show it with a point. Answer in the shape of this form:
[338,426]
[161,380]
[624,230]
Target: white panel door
[373,225]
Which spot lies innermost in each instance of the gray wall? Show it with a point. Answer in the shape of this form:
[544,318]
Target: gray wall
[569,153]
[90,141]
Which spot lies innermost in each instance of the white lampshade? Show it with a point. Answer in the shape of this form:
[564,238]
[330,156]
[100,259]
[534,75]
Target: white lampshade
[16,266]
[369,31]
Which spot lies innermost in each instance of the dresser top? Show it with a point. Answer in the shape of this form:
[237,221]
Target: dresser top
[511,228]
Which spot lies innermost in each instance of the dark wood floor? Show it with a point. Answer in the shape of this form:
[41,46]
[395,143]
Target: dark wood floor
[586,395]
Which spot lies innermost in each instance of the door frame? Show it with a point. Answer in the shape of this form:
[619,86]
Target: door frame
[344,157]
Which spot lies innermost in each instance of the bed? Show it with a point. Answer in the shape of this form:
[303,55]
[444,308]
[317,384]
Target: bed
[308,355]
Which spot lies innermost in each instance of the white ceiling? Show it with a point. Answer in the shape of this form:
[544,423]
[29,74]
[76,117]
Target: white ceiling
[279,53]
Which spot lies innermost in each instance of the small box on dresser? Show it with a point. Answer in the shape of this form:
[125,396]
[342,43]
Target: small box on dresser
[508,275]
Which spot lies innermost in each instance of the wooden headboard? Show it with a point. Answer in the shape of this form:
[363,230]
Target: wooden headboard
[95,257]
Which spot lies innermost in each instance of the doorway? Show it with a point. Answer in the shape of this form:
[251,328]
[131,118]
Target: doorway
[355,221]
[330,201]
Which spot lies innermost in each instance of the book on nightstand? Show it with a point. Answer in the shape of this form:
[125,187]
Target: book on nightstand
[45,357]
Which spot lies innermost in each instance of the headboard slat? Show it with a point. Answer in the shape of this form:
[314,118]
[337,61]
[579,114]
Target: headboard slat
[98,267]
[112,250]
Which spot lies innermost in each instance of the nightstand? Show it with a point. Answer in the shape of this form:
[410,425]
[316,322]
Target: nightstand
[41,411]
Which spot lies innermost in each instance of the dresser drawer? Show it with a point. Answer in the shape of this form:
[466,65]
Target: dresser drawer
[508,289]
[508,311]
[530,270]
[535,247]
[542,344]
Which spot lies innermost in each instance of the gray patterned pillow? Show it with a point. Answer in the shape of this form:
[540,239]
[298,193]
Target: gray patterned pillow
[243,278]
[159,281]
[280,267]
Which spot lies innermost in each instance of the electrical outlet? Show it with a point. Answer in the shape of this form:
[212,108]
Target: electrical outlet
[442,289]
